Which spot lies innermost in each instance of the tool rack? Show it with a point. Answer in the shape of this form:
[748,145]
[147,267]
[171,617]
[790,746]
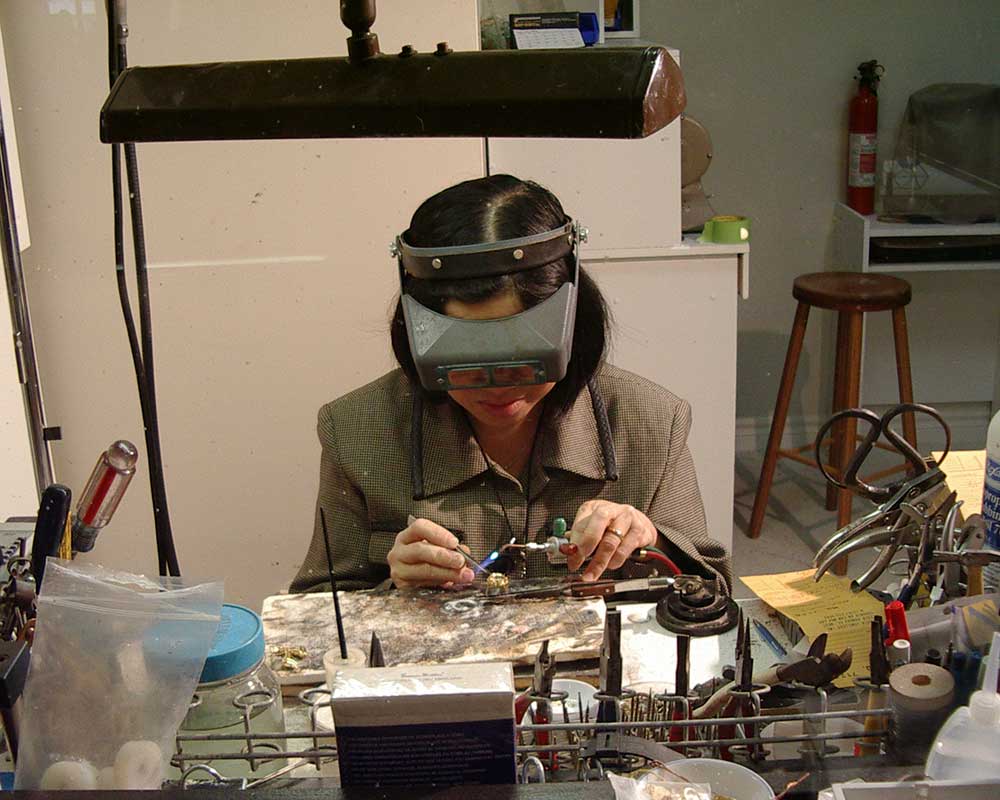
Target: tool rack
[583,750]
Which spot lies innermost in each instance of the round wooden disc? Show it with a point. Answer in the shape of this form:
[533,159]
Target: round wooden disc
[696,150]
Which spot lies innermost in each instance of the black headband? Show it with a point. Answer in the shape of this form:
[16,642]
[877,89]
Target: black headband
[488,258]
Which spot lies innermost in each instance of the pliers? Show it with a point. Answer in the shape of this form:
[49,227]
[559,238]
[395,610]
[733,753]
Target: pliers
[891,525]
[966,558]
[818,668]
[539,693]
[541,686]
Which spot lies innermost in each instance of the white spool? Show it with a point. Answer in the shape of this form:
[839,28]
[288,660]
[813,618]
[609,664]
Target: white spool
[921,696]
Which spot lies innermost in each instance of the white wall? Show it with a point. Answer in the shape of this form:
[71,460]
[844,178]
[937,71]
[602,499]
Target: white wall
[18,494]
[771,79]
[270,274]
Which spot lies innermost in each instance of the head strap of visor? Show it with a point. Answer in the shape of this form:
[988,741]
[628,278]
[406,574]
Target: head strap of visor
[488,258]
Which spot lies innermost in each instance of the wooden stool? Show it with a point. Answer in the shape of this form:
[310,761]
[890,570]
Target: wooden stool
[850,294]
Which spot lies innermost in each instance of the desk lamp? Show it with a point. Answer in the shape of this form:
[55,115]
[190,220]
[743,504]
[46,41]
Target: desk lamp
[615,92]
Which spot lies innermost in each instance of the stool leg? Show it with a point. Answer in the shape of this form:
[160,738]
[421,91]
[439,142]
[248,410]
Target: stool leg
[839,402]
[902,343]
[848,433]
[778,422]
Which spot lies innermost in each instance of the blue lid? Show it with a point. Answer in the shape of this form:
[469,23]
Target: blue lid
[238,645]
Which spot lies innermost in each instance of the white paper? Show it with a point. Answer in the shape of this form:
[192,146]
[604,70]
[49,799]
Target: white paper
[547,38]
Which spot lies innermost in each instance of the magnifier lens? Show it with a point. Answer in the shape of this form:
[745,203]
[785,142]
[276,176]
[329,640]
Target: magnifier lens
[468,378]
[514,375]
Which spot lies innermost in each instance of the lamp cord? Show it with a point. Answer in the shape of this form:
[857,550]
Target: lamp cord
[142,351]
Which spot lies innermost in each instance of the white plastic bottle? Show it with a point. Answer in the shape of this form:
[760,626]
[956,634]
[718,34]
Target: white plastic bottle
[991,502]
[966,746]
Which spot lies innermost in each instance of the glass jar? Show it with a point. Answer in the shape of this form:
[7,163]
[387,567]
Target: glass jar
[237,692]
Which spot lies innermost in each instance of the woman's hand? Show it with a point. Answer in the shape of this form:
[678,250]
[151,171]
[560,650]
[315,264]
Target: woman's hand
[424,555]
[608,533]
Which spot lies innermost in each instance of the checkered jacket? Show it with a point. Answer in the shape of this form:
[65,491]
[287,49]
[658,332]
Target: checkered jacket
[366,490]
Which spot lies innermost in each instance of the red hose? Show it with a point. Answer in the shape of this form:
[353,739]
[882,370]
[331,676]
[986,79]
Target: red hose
[652,554]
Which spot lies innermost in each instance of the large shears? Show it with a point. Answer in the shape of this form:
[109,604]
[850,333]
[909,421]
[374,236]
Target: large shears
[906,508]
[879,428]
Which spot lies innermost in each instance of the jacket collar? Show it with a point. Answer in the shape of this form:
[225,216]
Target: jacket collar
[451,455]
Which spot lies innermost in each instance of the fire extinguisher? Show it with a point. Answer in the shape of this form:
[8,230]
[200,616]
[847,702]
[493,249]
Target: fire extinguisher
[862,134]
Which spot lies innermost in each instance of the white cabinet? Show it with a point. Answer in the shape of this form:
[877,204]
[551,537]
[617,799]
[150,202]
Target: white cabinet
[675,316]
[626,192]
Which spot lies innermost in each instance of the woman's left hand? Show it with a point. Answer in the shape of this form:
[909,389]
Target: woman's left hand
[608,533]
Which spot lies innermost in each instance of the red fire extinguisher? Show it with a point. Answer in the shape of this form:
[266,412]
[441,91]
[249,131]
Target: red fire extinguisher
[862,134]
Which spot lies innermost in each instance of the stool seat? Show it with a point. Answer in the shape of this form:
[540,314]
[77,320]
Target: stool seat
[851,291]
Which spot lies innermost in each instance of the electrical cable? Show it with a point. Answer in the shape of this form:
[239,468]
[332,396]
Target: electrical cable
[142,351]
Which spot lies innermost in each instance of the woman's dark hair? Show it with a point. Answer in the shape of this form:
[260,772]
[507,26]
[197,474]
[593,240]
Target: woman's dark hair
[489,210]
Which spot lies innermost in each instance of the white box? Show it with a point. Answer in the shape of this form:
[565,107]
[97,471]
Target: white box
[440,724]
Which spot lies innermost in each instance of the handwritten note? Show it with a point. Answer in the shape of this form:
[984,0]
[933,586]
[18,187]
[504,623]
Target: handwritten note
[826,607]
[966,470]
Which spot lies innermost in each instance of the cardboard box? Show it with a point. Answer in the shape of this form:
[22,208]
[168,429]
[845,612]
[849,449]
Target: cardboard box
[436,724]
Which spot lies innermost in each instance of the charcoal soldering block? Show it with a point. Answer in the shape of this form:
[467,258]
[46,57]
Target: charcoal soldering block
[418,725]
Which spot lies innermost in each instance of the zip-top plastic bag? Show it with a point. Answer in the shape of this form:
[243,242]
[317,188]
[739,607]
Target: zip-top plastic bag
[115,661]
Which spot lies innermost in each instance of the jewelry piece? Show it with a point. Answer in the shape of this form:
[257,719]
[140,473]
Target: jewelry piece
[616,532]
[497,583]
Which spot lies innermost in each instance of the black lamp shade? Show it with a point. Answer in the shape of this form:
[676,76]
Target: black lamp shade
[618,93]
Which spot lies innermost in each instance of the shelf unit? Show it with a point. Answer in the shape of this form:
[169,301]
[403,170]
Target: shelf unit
[853,232]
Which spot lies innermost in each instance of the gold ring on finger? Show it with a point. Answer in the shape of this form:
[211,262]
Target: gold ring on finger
[616,532]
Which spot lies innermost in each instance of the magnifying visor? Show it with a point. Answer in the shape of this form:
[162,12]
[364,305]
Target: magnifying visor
[530,347]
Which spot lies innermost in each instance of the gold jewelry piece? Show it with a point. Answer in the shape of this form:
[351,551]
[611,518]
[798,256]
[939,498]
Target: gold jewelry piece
[616,532]
[497,583]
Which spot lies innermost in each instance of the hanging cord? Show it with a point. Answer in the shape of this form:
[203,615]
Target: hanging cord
[142,353]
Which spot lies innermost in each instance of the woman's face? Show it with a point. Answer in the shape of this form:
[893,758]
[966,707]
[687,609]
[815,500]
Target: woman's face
[502,407]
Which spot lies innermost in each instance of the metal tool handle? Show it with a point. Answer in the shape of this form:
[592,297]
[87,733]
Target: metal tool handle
[904,447]
[879,426]
[849,478]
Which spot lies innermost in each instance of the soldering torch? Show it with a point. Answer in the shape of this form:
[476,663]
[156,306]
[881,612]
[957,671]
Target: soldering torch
[557,548]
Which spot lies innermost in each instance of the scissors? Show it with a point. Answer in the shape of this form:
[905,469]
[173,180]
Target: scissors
[879,427]
[902,518]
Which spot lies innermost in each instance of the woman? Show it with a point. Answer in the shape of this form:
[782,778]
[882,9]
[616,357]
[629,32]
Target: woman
[408,474]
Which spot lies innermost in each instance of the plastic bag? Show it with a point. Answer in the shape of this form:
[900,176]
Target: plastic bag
[115,661]
[656,787]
